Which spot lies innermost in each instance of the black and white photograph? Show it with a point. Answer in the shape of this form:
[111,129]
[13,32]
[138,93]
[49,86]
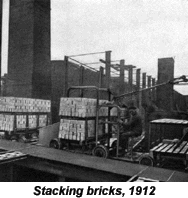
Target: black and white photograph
[94,91]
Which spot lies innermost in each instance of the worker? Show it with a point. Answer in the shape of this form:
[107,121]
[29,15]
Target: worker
[131,128]
[123,116]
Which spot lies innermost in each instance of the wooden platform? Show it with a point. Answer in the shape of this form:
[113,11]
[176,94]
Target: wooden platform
[171,151]
[85,167]
[11,156]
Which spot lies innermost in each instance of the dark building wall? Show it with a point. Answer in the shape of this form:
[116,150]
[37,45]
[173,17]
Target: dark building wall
[180,103]
[29,49]
[165,92]
[1,12]
[58,84]
[42,48]
[90,78]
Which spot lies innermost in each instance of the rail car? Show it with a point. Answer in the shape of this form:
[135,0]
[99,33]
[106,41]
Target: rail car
[21,118]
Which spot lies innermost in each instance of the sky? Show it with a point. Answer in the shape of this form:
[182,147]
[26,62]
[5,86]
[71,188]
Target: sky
[138,31]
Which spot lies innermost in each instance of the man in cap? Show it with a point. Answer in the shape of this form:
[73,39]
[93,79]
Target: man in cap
[131,128]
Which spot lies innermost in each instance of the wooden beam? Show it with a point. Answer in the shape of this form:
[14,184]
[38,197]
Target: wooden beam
[139,97]
[144,80]
[107,66]
[138,79]
[143,87]
[122,77]
[149,81]
[149,85]
[81,79]
[130,79]
[66,79]
[153,90]
[101,77]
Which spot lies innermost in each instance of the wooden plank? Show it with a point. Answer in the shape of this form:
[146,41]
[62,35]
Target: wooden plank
[162,147]
[186,155]
[180,147]
[171,149]
[153,149]
[167,148]
[184,150]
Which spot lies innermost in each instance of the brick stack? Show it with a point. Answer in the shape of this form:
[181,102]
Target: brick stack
[6,122]
[32,119]
[21,121]
[25,105]
[81,107]
[13,104]
[43,120]
[78,127]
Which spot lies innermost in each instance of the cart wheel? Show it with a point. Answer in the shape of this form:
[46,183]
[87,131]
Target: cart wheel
[146,160]
[55,143]
[34,135]
[13,138]
[22,139]
[100,151]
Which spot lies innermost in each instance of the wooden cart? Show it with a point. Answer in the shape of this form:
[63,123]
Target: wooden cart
[167,143]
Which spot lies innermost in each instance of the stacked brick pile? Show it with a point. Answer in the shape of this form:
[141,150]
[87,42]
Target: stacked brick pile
[81,107]
[15,105]
[78,127]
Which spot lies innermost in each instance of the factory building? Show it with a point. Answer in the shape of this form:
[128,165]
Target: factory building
[29,69]
[40,82]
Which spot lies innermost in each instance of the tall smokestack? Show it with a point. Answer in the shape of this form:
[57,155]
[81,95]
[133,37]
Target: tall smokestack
[165,93]
[29,70]
[1,11]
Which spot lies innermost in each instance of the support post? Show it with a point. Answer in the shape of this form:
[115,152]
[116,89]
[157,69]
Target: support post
[107,67]
[149,91]
[66,75]
[165,94]
[143,80]
[101,77]
[139,97]
[153,90]
[130,79]
[122,77]
[81,79]
[149,81]
[143,86]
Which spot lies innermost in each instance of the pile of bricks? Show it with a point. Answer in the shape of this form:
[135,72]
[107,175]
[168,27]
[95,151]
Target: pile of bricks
[77,129]
[81,107]
[21,121]
[32,119]
[22,105]
[82,113]
[6,122]
[13,104]
[42,120]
